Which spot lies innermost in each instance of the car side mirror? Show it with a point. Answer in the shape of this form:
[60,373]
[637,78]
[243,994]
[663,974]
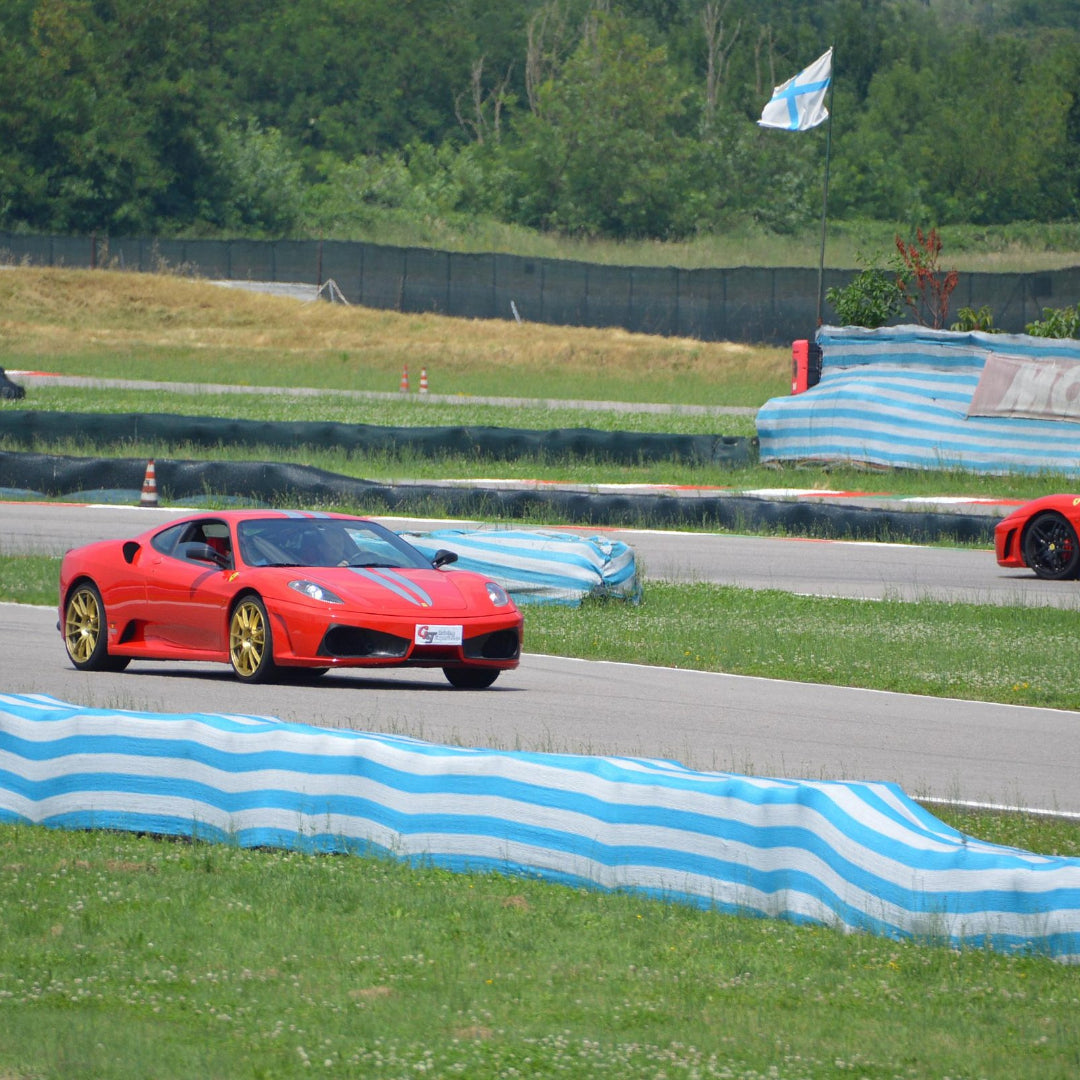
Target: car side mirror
[443,558]
[197,552]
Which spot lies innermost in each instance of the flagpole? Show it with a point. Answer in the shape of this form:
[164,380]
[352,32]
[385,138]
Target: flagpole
[798,105]
[824,203]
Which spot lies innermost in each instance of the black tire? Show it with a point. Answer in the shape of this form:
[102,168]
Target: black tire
[251,646]
[470,678]
[1051,548]
[85,631]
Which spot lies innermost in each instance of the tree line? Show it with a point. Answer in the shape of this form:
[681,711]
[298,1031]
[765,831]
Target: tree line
[593,118]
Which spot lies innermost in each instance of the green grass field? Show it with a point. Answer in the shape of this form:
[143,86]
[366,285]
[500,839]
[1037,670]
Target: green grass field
[127,956]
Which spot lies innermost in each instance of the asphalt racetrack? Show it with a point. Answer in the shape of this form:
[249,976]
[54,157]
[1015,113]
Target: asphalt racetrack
[948,750]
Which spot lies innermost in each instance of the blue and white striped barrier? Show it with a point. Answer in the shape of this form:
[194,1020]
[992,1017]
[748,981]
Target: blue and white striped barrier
[540,567]
[901,396]
[860,856]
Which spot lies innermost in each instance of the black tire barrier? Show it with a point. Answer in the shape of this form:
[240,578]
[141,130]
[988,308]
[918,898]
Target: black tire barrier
[10,390]
[505,444]
[271,482]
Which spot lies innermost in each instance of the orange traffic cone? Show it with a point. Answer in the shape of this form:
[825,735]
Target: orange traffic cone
[149,486]
[423,380]
[405,379]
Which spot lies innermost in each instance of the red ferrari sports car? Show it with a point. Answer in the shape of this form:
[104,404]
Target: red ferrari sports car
[265,590]
[1042,535]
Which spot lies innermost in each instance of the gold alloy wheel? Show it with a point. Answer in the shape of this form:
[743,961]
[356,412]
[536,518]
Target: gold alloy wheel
[247,638]
[82,624]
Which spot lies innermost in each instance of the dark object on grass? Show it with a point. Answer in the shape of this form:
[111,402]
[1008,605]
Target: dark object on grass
[10,390]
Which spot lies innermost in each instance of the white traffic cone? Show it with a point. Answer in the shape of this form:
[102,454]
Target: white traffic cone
[423,380]
[149,486]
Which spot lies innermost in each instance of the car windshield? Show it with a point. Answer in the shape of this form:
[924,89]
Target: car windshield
[324,542]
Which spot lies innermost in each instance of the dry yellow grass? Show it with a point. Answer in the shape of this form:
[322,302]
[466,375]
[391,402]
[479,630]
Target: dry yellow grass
[72,319]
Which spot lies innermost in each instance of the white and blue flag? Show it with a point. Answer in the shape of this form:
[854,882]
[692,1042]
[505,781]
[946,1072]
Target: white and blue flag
[799,104]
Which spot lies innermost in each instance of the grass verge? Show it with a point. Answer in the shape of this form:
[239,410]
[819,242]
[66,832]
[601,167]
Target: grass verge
[406,410]
[107,324]
[969,651]
[29,579]
[127,956]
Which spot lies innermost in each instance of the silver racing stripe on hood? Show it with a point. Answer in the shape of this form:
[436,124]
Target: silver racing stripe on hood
[401,586]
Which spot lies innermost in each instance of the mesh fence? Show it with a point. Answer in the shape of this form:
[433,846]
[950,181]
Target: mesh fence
[748,304]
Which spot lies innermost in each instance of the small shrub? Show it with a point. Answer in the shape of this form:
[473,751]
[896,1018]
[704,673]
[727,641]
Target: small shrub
[968,319]
[871,299]
[1057,323]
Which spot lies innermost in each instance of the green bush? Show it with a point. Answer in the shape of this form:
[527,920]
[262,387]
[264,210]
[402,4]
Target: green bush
[871,299]
[1057,323]
[968,319]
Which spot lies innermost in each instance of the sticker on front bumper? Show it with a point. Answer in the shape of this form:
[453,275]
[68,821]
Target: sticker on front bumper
[427,634]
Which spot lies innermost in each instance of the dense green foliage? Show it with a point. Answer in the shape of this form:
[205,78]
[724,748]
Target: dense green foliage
[631,118]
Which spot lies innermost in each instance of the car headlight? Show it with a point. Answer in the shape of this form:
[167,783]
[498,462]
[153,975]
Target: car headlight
[496,594]
[314,591]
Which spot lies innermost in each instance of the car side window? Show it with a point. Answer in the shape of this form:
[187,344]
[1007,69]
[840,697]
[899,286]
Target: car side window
[166,540]
[180,541]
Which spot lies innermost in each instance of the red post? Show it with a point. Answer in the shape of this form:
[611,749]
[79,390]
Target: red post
[805,365]
[800,366]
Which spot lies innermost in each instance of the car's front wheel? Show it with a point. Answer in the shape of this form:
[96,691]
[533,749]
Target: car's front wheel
[470,678]
[1051,548]
[251,648]
[85,631]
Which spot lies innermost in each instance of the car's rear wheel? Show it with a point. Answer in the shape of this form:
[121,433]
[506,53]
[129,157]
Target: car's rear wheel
[1051,548]
[251,647]
[85,635]
[470,678]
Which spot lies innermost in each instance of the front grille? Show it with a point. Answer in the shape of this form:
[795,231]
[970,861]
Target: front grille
[434,654]
[357,641]
[499,645]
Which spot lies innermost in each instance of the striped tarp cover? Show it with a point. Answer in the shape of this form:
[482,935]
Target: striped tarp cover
[900,395]
[540,567]
[859,856]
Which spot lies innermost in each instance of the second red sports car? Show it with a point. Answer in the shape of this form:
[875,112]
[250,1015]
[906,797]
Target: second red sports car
[1042,535]
[265,590]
